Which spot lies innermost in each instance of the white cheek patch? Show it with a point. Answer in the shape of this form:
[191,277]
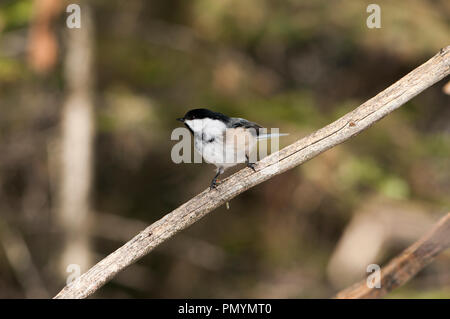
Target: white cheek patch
[213,128]
[195,125]
[207,126]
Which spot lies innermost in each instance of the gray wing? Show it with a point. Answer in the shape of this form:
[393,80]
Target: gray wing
[236,122]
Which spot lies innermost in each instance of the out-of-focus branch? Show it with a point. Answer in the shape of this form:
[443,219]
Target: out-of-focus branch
[376,225]
[19,257]
[407,264]
[43,45]
[291,156]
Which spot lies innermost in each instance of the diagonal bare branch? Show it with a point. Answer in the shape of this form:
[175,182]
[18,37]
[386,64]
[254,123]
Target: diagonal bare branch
[406,265]
[424,76]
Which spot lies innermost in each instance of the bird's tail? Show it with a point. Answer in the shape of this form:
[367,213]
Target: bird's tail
[270,135]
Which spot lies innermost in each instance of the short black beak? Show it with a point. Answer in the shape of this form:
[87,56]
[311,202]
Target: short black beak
[181,119]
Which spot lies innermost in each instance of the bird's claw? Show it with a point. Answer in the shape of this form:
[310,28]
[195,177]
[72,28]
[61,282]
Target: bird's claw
[252,166]
[213,185]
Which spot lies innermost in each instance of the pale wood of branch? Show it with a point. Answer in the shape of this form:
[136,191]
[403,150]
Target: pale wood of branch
[293,155]
[406,265]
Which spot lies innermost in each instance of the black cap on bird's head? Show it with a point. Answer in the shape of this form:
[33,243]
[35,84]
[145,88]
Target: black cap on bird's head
[202,114]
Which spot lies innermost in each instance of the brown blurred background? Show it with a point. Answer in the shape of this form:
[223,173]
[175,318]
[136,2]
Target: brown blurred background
[85,122]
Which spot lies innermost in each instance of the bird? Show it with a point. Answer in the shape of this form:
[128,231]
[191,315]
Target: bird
[222,140]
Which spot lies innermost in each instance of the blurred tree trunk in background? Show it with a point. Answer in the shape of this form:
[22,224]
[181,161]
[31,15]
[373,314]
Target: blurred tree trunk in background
[76,146]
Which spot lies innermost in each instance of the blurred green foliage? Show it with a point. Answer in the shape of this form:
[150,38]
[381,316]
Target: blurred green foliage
[15,14]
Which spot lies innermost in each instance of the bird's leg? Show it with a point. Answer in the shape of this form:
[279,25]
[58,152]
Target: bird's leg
[251,165]
[214,180]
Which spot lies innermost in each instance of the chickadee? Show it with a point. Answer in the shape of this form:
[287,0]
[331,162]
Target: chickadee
[223,141]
